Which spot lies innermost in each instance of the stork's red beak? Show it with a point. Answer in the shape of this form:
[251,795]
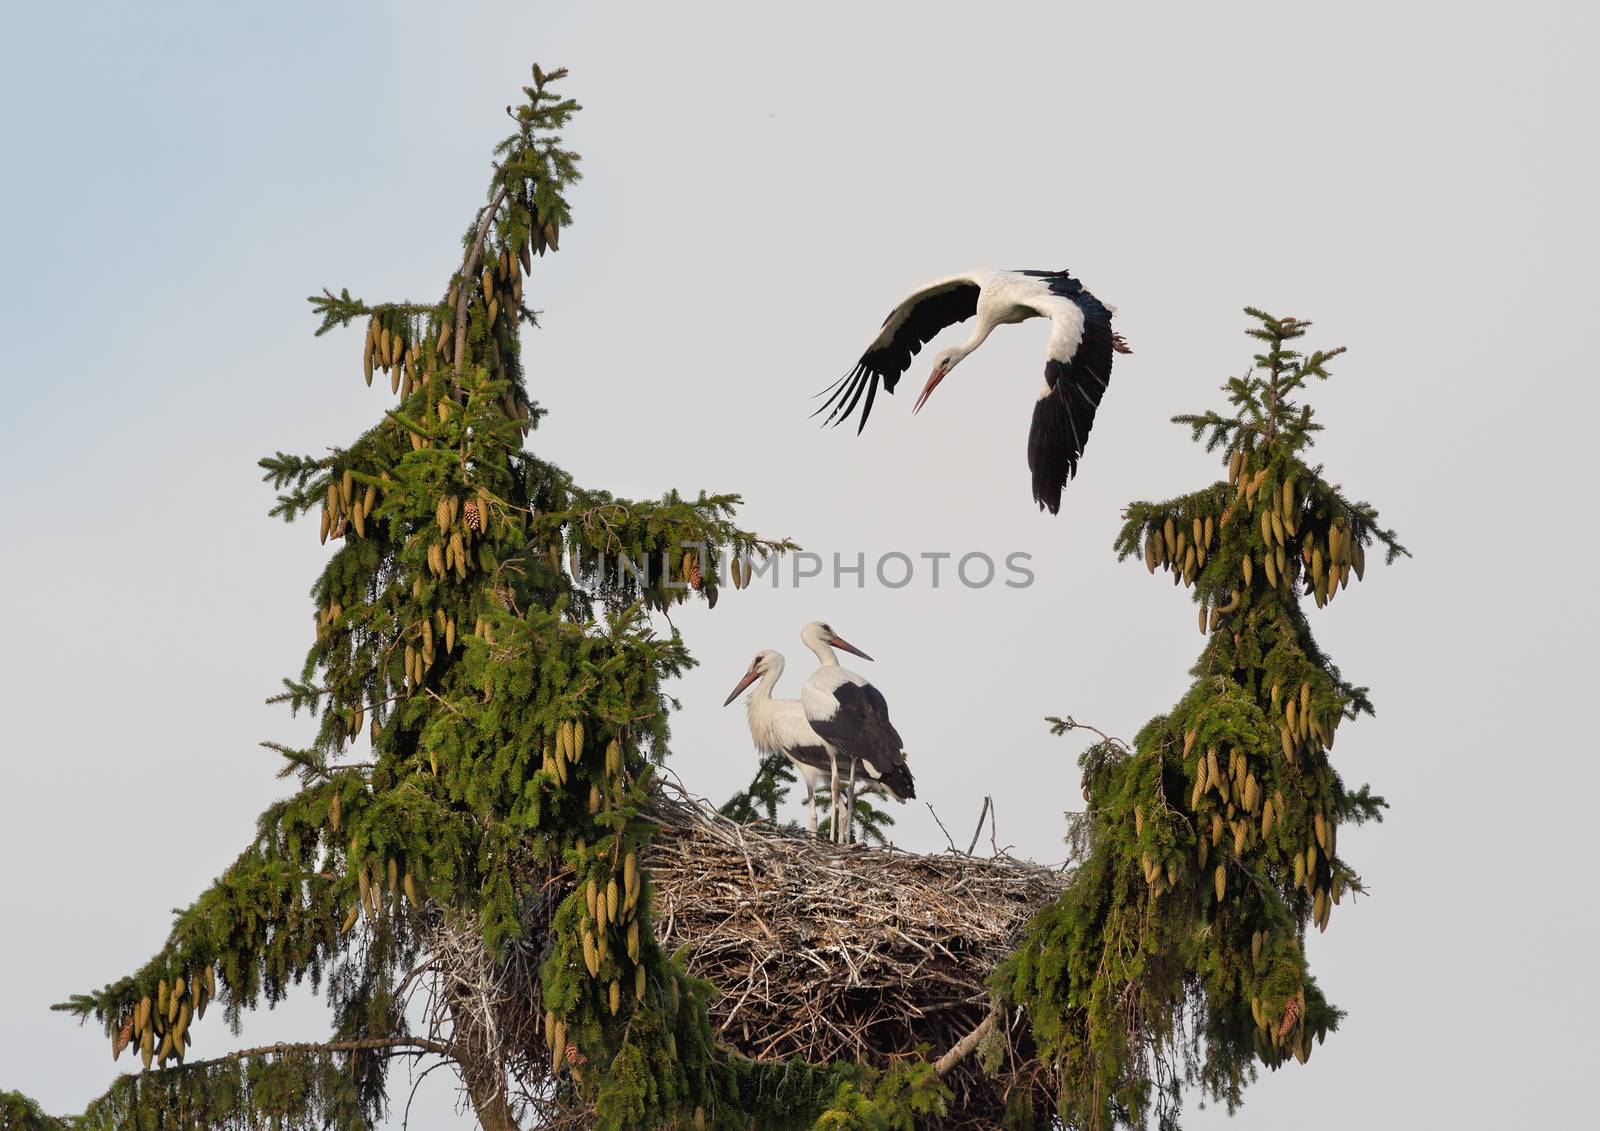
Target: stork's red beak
[749,677]
[840,642]
[927,390]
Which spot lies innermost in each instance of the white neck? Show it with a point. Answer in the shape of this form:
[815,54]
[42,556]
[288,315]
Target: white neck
[820,649]
[759,704]
[982,330]
[769,680]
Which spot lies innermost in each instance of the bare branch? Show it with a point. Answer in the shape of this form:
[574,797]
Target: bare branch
[963,1048]
[468,270]
[988,803]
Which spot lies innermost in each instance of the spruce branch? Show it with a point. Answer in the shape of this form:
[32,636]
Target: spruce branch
[339,310]
[415,1045]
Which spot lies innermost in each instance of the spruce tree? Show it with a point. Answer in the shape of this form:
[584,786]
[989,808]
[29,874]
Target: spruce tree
[767,790]
[870,824]
[1177,954]
[489,718]
[19,1113]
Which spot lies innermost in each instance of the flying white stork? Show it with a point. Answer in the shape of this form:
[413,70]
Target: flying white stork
[779,726]
[851,715]
[1077,365]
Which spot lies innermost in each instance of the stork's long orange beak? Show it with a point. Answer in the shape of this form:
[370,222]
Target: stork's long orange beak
[749,677]
[927,390]
[841,643]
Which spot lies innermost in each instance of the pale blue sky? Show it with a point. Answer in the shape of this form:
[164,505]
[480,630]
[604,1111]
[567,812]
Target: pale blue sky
[1418,179]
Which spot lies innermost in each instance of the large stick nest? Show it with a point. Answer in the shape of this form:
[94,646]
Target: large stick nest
[820,951]
[844,952]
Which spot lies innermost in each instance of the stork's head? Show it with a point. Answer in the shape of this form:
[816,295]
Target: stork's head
[943,364]
[817,633]
[766,662]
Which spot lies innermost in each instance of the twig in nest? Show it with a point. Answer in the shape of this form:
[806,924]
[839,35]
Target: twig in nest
[988,803]
[944,830]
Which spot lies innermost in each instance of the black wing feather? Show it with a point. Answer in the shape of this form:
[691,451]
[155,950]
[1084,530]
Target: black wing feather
[860,728]
[1062,419]
[814,756]
[933,312]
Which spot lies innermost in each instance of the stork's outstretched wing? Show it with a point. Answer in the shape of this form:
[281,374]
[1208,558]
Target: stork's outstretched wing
[1077,371]
[909,327]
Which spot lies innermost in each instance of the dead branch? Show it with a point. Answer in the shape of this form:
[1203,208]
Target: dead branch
[963,1048]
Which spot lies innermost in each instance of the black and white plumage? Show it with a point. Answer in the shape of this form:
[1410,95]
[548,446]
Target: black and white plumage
[779,726]
[851,715]
[1077,361]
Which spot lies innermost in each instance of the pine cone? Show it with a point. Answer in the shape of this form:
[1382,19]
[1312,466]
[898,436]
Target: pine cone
[469,514]
[695,579]
[122,1038]
[1291,1015]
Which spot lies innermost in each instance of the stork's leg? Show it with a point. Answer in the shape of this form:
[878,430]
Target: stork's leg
[811,801]
[833,797]
[850,803]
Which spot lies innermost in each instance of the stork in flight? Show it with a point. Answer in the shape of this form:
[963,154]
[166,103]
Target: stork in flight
[1077,365]
[851,715]
[779,726]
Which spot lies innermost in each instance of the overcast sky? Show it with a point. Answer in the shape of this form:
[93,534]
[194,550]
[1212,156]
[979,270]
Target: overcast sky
[1419,180]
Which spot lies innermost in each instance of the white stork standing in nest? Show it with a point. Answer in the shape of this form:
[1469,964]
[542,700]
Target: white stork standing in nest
[779,726]
[1077,366]
[852,716]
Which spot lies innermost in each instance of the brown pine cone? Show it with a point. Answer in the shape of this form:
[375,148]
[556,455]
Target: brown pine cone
[1291,1015]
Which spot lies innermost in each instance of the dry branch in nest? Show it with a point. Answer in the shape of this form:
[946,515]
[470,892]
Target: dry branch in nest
[820,951]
